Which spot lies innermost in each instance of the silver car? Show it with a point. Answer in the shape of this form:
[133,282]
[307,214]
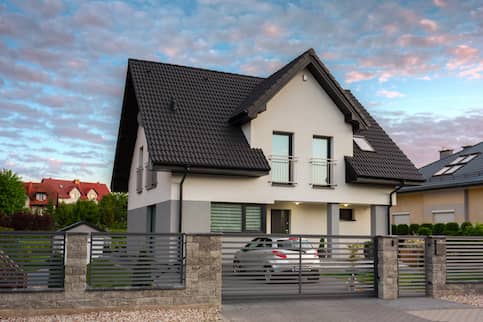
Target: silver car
[277,257]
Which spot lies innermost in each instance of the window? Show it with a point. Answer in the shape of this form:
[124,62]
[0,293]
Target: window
[41,196]
[282,158]
[443,216]
[151,219]
[363,144]
[139,171]
[400,218]
[346,214]
[231,217]
[321,161]
[151,177]
[455,165]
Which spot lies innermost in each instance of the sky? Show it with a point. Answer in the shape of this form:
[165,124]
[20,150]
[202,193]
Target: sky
[417,66]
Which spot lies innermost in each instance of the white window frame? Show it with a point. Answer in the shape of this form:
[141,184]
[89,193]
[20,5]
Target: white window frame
[363,144]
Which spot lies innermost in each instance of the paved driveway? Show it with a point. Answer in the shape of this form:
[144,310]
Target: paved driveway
[353,310]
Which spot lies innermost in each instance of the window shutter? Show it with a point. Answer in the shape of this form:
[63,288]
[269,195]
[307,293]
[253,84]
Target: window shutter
[139,180]
[253,218]
[226,217]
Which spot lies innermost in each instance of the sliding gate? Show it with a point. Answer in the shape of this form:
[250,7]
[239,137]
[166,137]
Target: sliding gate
[263,266]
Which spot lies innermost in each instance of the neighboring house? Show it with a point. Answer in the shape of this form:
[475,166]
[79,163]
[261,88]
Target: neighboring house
[453,191]
[58,191]
[291,153]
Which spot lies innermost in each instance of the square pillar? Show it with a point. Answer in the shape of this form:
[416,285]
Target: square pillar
[435,265]
[387,268]
[333,219]
[76,263]
[379,224]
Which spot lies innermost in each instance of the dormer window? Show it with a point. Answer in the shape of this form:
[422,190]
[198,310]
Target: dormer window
[363,144]
[41,196]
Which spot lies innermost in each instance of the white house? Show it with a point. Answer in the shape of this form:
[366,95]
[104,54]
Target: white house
[291,153]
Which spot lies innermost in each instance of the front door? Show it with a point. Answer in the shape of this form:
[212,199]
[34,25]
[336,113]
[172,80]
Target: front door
[280,221]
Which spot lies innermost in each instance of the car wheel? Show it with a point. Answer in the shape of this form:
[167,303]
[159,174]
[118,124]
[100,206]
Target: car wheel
[236,266]
[268,272]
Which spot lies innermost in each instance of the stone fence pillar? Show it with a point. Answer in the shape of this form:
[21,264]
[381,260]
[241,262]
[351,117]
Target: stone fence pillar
[75,263]
[387,270]
[435,261]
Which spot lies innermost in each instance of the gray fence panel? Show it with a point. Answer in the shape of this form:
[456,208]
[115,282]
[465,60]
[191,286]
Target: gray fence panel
[31,261]
[257,266]
[136,261]
[464,259]
[411,266]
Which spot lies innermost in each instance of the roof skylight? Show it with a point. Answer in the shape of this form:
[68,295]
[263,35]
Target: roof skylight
[456,164]
[363,144]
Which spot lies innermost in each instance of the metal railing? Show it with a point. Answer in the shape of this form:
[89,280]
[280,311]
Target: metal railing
[282,169]
[136,261]
[259,265]
[322,171]
[464,259]
[411,266]
[31,261]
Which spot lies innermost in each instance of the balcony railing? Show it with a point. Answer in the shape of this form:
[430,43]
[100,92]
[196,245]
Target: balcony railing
[282,169]
[322,172]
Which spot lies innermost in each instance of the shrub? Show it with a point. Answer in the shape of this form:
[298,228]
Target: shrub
[29,221]
[469,230]
[478,229]
[402,229]
[452,229]
[5,229]
[394,229]
[429,226]
[413,229]
[438,229]
[466,225]
[424,231]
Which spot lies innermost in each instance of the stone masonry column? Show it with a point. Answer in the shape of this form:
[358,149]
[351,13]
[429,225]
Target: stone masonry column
[435,263]
[387,270]
[75,264]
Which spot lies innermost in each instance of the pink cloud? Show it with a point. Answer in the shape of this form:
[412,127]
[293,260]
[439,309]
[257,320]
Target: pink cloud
[389,94]
[475,72]
[355,76]
[439,3]
[429,25]
[463,54]
[408,40]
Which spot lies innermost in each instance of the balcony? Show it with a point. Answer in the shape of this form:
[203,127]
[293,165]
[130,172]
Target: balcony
[322,172]
[282,169]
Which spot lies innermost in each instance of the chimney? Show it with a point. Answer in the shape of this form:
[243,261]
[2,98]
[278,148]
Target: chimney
[466,146]
[445,152]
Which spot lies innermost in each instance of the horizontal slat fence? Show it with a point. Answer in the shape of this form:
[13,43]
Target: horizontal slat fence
[31,261]
[136,261]
[268,266]
[464,259]
[411,266]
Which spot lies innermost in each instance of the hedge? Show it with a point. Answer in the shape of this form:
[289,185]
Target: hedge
[450,229]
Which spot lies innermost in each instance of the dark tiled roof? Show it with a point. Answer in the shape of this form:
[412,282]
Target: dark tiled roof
[185,114]
[469,175]
[191,117]
[388,162]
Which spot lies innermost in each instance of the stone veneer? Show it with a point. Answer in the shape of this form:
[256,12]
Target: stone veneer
[202,286]
[387,269]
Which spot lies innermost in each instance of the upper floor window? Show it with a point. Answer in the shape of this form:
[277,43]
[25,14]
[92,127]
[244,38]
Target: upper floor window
[363,144]
[139,170]
[282,157]
[41,196]
[321,161]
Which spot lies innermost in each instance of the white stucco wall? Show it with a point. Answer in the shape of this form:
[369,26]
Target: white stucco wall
[362,223]
[304,109]
[146,197]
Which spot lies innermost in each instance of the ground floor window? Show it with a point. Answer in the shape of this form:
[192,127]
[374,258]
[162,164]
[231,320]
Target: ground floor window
[400,218]
[443,216]
[233,217]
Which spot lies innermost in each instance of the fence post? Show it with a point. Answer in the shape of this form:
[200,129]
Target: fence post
[435,260]
[76,263]
[387,270]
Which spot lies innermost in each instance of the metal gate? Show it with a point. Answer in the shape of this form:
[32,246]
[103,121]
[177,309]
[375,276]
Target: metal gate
[269,266]
[411,266]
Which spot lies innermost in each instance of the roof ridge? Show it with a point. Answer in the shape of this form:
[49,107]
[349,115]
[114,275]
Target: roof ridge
[195,68]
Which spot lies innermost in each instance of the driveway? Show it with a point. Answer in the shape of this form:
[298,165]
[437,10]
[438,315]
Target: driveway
[353,310]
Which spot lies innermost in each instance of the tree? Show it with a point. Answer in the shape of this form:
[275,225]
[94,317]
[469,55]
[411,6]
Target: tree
[86,210]
[12,193]
[113,210]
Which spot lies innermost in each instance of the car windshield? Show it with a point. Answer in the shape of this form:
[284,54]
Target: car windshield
[259,243]
[293,244]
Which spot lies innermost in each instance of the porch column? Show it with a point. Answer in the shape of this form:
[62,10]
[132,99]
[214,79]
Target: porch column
[379,224]
[333,219]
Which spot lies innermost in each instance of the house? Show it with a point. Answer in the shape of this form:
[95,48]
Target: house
[452,192]
[207,151]
[56,191]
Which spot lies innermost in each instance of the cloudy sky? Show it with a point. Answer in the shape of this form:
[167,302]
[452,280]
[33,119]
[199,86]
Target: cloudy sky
[416,65]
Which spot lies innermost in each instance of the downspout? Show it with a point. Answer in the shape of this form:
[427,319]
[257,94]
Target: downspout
[389,209]
[180,224]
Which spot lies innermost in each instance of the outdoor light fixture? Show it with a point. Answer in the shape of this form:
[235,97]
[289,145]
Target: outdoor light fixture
[297,203]
[346,205]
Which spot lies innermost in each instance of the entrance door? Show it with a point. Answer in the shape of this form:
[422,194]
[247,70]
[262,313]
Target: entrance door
[280,221]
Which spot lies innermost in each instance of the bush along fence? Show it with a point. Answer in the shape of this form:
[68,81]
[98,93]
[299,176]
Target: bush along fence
[78,270]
